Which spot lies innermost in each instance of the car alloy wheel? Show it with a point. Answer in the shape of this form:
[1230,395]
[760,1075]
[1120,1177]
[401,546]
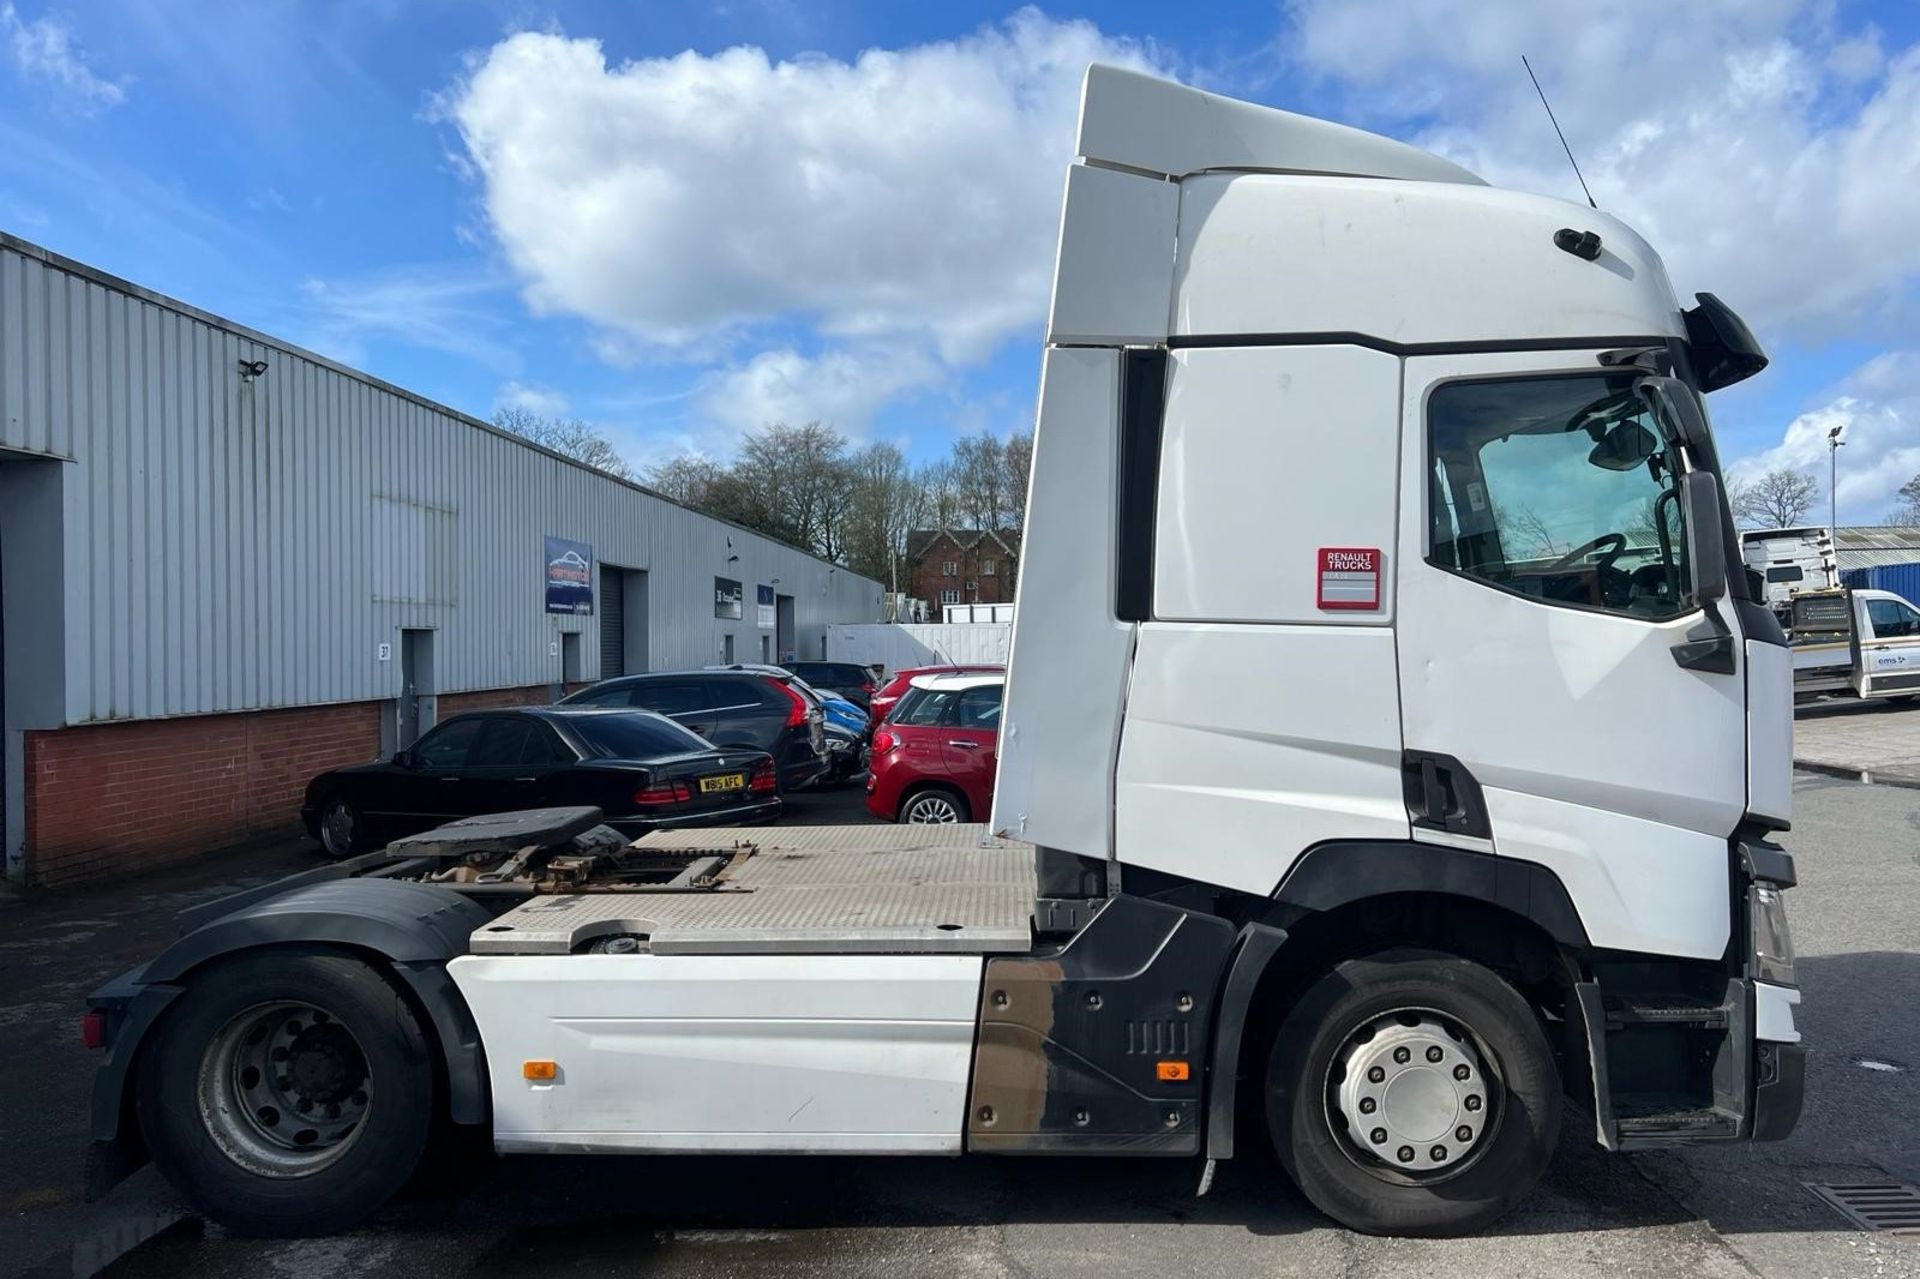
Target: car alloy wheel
[338,828]
[931,808]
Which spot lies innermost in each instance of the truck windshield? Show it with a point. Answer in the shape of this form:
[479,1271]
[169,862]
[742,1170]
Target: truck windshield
[1562,489]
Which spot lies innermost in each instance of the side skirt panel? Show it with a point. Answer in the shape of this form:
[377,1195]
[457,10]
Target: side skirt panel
[748,1054]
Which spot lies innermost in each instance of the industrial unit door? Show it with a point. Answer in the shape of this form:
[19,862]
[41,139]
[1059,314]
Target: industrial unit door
[613,622]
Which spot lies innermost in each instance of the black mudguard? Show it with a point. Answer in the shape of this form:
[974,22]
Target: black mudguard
[417,928]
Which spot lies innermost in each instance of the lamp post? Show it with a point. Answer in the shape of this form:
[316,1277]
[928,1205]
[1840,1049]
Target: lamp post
[1833,469]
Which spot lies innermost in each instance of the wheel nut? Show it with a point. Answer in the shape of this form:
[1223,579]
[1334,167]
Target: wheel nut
[1473,1103]
[1434,1053]
[1368,1105]
[1404,1154]
[1378,1136]
[1460,1072]
[1402,1055]
[1438,1154]
[1463,1133]
[1376,1074]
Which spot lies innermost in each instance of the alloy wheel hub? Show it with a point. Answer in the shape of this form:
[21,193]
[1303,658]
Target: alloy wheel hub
[1414,1096]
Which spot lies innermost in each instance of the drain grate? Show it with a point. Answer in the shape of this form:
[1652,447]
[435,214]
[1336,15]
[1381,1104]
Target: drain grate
[1886,1207]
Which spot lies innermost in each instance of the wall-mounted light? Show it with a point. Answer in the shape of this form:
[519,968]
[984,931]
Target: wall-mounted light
[251,369]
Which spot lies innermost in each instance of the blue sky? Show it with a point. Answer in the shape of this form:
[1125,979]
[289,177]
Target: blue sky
[678,221]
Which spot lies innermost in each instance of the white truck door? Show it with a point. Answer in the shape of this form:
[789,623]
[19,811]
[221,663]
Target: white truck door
[1263,714]
[1543,588]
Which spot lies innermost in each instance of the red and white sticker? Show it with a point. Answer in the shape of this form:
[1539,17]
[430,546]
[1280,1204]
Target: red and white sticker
[1349,577]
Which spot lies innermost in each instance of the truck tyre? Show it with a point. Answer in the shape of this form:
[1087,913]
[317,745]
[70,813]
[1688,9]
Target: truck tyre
[1413,1093]
[287,1093]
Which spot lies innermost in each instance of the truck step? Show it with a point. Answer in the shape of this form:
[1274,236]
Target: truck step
[1678,1127]
[1665,1010]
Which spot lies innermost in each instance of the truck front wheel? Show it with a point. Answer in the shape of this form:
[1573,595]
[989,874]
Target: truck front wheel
[1413,1093]
[287,1093]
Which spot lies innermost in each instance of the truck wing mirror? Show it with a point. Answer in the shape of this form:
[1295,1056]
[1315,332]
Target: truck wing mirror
[1700,497]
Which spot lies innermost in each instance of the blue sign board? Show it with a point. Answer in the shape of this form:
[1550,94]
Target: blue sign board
[569,576]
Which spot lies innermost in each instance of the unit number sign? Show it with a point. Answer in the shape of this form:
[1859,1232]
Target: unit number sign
[1349,577]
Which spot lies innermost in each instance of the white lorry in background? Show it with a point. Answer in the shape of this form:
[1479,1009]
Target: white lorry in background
[1790,560]
[1390,748]
[1854,641]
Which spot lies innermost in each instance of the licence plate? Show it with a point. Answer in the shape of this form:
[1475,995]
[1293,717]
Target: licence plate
[725,782]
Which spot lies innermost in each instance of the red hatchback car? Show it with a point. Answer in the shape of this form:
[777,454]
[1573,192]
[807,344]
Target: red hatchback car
[896,687]
[934,758]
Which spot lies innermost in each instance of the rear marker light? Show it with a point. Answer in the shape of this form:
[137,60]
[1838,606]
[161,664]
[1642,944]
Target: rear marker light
[884,741]
[544,1072]
[93,1029]
[763,779]
[797,712]
[1174,1072]
[666,793]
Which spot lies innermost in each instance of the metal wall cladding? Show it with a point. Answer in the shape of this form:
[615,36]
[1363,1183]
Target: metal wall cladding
[1902,579]
[236,542]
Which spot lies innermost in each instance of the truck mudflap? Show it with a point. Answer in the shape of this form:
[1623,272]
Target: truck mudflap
[1102,1046]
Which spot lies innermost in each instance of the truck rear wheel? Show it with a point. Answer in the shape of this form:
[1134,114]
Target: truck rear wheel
[288,1093]
[1413,1093]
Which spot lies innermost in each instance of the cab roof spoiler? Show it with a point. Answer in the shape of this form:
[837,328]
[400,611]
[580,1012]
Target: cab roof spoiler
[1133,121]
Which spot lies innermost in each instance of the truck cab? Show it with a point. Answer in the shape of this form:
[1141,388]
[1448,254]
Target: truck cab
[1790,560]
[1390,753]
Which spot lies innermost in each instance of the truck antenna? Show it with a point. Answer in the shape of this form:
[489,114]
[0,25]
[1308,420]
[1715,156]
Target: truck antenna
[1556,129]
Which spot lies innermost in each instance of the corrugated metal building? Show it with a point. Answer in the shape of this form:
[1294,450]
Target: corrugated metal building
[1875,545]
[226,563]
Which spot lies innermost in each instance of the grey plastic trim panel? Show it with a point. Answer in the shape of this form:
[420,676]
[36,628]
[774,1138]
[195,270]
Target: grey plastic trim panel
[1257,946]
[1333,874]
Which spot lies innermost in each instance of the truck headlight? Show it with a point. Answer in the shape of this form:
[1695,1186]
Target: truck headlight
[1772,940]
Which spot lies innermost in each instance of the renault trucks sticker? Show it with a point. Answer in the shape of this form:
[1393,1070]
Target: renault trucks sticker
[1349,577]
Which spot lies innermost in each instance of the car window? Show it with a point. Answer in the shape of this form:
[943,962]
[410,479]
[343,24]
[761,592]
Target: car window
[612,695]
[671,697]
[447,745]
[637,736]
[543,746]
[926,707]
[980,707]
[499,743]
[1892,620]
[732,694]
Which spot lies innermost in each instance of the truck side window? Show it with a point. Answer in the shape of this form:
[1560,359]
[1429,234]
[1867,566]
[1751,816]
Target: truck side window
[1892,620]
[1561,489]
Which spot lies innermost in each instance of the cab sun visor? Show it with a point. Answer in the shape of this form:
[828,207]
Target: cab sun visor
[1720,344]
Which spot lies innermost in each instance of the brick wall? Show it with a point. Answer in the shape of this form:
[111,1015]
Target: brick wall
[488,699]
[107,797]
[103,798]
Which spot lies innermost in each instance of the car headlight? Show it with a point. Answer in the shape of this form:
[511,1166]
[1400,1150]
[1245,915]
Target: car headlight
[1772,939]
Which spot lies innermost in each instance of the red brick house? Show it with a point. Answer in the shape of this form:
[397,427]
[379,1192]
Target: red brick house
[962,566]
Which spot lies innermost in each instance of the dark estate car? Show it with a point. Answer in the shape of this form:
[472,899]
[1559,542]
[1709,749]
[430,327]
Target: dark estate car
[728,708]
[849,679]
[643,771]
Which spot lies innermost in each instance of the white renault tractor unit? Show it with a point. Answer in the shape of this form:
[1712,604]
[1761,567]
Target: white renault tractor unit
[1390,753]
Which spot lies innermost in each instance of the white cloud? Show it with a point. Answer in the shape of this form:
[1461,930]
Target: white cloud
[45,50]
[1878,405]
[902,205]
[843,387]
[439,308]
[543,400]
[1770,155]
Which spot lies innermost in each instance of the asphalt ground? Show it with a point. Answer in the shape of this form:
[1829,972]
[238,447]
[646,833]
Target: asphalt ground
[1877,741]
[1728,1211]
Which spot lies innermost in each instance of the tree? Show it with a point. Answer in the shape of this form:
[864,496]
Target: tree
[569,436]
[1909,509]
[1780,498]
[1018,457]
